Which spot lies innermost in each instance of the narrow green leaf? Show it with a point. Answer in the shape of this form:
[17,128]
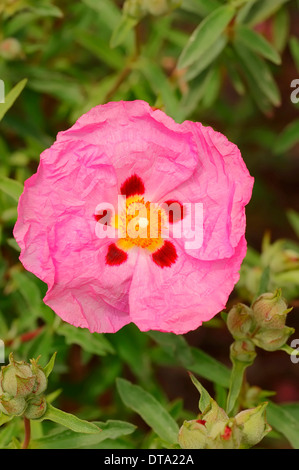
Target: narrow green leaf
[111,430]
[11,97]
[69,421]
[205,398]
[209,368]
[284,422]
[294,47]
[120,33]
[95,343]
[151,411]
[264,282]
[99,47]
[293,218]
[257,43]
[28,289]
[287,139]
[261,10]
[259,73]
[205,35]
[207,58]
[236,381]
[46,9]
[281,29]
[49,367]
[200,7]
[11,187]
[4,418]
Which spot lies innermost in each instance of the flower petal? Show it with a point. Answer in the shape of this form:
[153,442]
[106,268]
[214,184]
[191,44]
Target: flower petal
[138,140]
[179,298]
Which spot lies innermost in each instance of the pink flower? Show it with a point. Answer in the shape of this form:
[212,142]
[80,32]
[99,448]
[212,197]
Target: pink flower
[157,283]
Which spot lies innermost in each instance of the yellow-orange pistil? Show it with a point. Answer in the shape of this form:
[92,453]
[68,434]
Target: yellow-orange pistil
[141,224]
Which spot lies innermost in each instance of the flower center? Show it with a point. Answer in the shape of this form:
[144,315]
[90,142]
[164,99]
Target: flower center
[141,224]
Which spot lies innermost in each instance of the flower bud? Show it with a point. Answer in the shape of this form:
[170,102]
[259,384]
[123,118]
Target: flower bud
[193,435]
[12,406]
[135,9]
[270,310]
[36,407]
[253,425]
[240,321]
[161,7]
[272,339]
[10,49]
[41,380]
[16,379]
[243,351]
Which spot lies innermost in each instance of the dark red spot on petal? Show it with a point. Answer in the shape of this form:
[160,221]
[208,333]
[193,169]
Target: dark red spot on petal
[132,186]
[166,255]
[201,421]
[104,217]
[176,212]
[227,433]
[115,256]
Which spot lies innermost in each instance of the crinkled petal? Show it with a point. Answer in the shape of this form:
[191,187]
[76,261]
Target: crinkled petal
[138,140]
[179,298]
[223,185]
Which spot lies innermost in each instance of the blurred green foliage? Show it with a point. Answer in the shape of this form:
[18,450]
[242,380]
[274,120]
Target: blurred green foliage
[229,64]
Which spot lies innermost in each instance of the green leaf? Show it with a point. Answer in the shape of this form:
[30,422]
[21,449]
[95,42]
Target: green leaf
[72,440]
[257,43]
[151,411]
[200,7]
[69,421]
[98,46]
[259,73]
[49,367]
[107,11]
[294,47]
[123,28]
[205,35]
[281,29]
[95,343]
[262,10]
[284,422]
[11,187]
[11,97]
[47,9]
[236,381]
[161,86]
[4,418]
[207,58]
[293,218]
[205,398]
[209,368]
[287,139]
[264,282]
[29,290]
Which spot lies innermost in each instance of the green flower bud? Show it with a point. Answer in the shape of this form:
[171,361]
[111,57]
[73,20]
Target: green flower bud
[240,321]
[36,407]
[12,406]
[41,381]
[193,435]
[270,310]
[16,379]
[253,425]
[10,49]
[135,9]
[161,7]
[272,339]
[243,351]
